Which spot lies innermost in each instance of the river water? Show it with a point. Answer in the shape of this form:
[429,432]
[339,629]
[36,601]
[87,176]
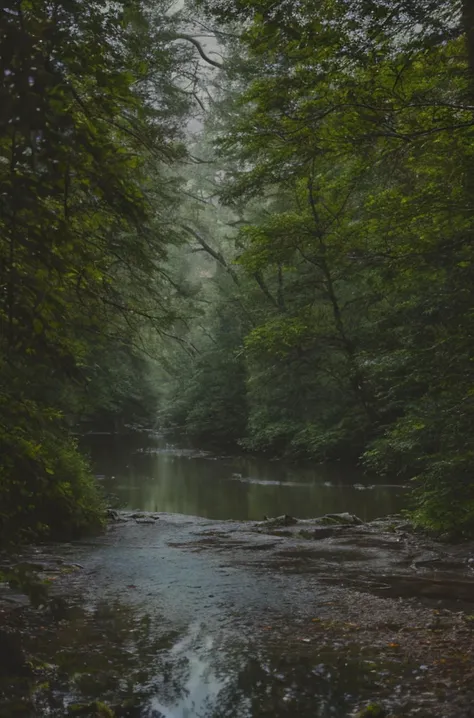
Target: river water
[153,473]
[196,613]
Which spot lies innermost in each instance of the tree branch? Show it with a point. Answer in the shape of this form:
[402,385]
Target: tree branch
[199,48]
[213,253]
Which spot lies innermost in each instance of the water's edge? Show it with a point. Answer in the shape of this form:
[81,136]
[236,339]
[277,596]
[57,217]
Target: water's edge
[178,616]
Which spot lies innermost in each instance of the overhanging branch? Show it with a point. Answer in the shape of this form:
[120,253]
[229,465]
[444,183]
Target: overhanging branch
[199,48]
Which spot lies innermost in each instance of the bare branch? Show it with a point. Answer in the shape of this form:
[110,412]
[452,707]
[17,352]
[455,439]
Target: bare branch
[211,251]
[199,48]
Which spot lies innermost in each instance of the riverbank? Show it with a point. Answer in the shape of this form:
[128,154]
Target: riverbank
[169,615]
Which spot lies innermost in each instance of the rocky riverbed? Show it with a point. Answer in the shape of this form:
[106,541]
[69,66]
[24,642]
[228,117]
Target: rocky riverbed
[175,616]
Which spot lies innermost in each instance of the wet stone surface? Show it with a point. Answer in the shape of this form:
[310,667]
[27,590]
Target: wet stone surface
[173,616]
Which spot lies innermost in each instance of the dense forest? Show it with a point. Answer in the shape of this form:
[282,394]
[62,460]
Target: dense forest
[252,221]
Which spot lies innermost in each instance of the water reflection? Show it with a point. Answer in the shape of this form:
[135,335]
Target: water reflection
[151,474]
[202,683]
[140,668]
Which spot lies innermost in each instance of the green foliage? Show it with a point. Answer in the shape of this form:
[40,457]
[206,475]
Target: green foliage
[345,142]
[97,709]
[323,308]
[46,487]
[89,122]
[25,579]
[119,388]
[373,710]
[207,398]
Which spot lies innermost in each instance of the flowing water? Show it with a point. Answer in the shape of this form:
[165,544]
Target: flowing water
[151,473]
[191,615]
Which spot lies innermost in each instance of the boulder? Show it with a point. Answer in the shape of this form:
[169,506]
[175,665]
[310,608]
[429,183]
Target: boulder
[344,518]
[280,521]
[317,528]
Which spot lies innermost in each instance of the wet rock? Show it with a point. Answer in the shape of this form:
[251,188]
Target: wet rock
[12,657]
[317,528]
[144,517]
[130,709]
[393,524]
[59,608]
[112,515]
[284,533]
[320,532]
[327,525]
[342,518]
[373,710]
[139,517]
[405,526]
[97,709]
[280,521]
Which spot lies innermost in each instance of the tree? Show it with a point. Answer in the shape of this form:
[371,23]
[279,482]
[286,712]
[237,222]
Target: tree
[88,123]
[358,124]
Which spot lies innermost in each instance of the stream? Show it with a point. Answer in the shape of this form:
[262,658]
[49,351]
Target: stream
[151,473]
[192,605]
